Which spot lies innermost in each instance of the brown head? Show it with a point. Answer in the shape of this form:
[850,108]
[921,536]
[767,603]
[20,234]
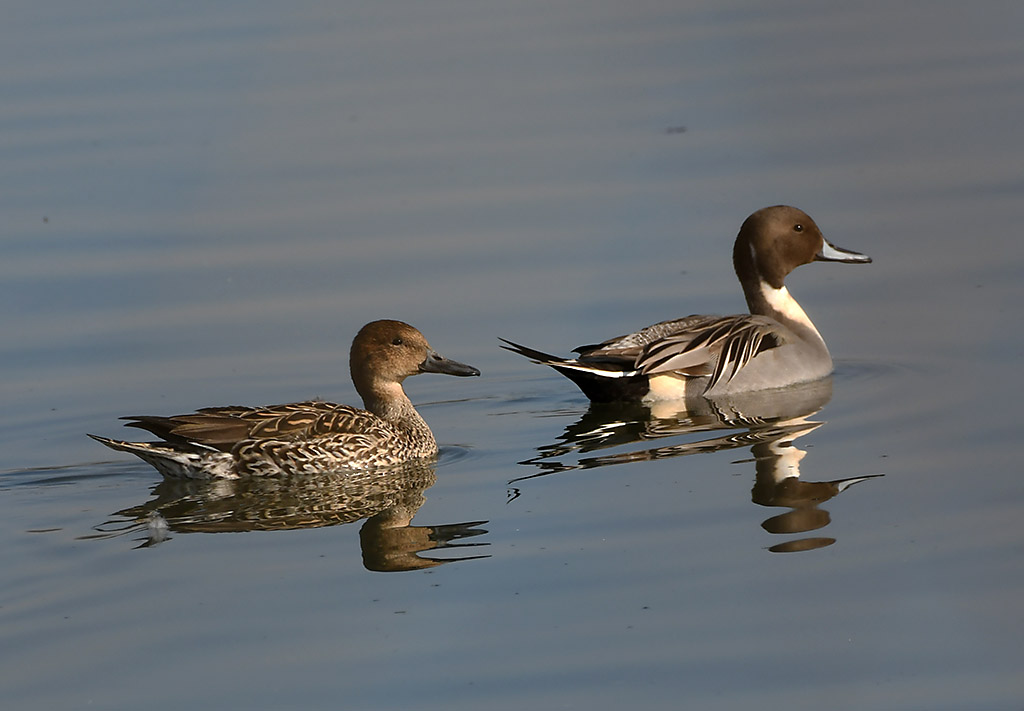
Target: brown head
[776,240]
[384,353]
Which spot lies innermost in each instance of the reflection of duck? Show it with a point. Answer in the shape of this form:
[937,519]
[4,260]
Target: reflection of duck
[748,418]
[778,483]
[769,422]
[387,499]
[308,437]
[775,345]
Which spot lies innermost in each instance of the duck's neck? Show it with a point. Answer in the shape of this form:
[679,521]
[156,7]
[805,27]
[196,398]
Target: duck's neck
[777,303]
[766,294]
[390,403]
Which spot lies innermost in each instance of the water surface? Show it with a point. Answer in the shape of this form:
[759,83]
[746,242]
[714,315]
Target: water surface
[201,206]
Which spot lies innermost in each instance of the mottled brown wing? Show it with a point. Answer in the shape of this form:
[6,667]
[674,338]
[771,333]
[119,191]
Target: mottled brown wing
[223,427]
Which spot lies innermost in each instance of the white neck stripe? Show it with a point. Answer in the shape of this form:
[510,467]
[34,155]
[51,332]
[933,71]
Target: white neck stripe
[785,305]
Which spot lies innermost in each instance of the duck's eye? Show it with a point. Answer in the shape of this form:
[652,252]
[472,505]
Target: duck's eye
[397,341]
[798,227]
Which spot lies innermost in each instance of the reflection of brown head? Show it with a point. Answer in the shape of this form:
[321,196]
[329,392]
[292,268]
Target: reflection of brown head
[390,544]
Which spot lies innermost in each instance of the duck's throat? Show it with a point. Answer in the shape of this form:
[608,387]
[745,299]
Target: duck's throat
[778,304]
[392,405]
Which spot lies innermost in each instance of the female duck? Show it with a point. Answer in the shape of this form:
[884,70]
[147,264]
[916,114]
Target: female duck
[313,436]
[775,345]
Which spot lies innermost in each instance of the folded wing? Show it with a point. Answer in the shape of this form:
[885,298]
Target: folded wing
[223,428]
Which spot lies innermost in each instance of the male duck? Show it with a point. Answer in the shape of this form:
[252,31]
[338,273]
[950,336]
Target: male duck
[313,436]
[775,345]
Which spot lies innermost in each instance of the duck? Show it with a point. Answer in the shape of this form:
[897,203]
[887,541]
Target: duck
[700,358]
[307,437]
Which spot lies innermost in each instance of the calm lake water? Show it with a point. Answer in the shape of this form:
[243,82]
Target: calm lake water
[202,203]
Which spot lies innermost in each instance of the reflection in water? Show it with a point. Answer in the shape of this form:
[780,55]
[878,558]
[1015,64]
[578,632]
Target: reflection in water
[768,422]
[387,499]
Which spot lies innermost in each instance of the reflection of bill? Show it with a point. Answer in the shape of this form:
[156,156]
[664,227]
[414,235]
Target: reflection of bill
[387,499]
[769,422]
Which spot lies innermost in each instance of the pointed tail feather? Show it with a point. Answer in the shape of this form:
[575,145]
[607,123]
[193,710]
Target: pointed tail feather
[177,461]
[533,354]
[596,368]
[599,382]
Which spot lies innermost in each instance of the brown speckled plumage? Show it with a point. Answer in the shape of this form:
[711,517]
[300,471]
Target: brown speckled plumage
[312,436]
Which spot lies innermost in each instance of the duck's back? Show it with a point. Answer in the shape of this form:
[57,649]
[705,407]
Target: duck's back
[629,347]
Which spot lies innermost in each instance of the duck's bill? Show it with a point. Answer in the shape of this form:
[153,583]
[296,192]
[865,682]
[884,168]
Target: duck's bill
[437,363]
[831,253]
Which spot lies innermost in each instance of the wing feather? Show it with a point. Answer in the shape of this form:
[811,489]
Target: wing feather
[225,427]
[719,347]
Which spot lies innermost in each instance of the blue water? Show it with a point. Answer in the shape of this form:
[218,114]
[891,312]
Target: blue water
[201,205]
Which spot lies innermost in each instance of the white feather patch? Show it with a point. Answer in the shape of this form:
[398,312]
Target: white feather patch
[786,305]
[668,386]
